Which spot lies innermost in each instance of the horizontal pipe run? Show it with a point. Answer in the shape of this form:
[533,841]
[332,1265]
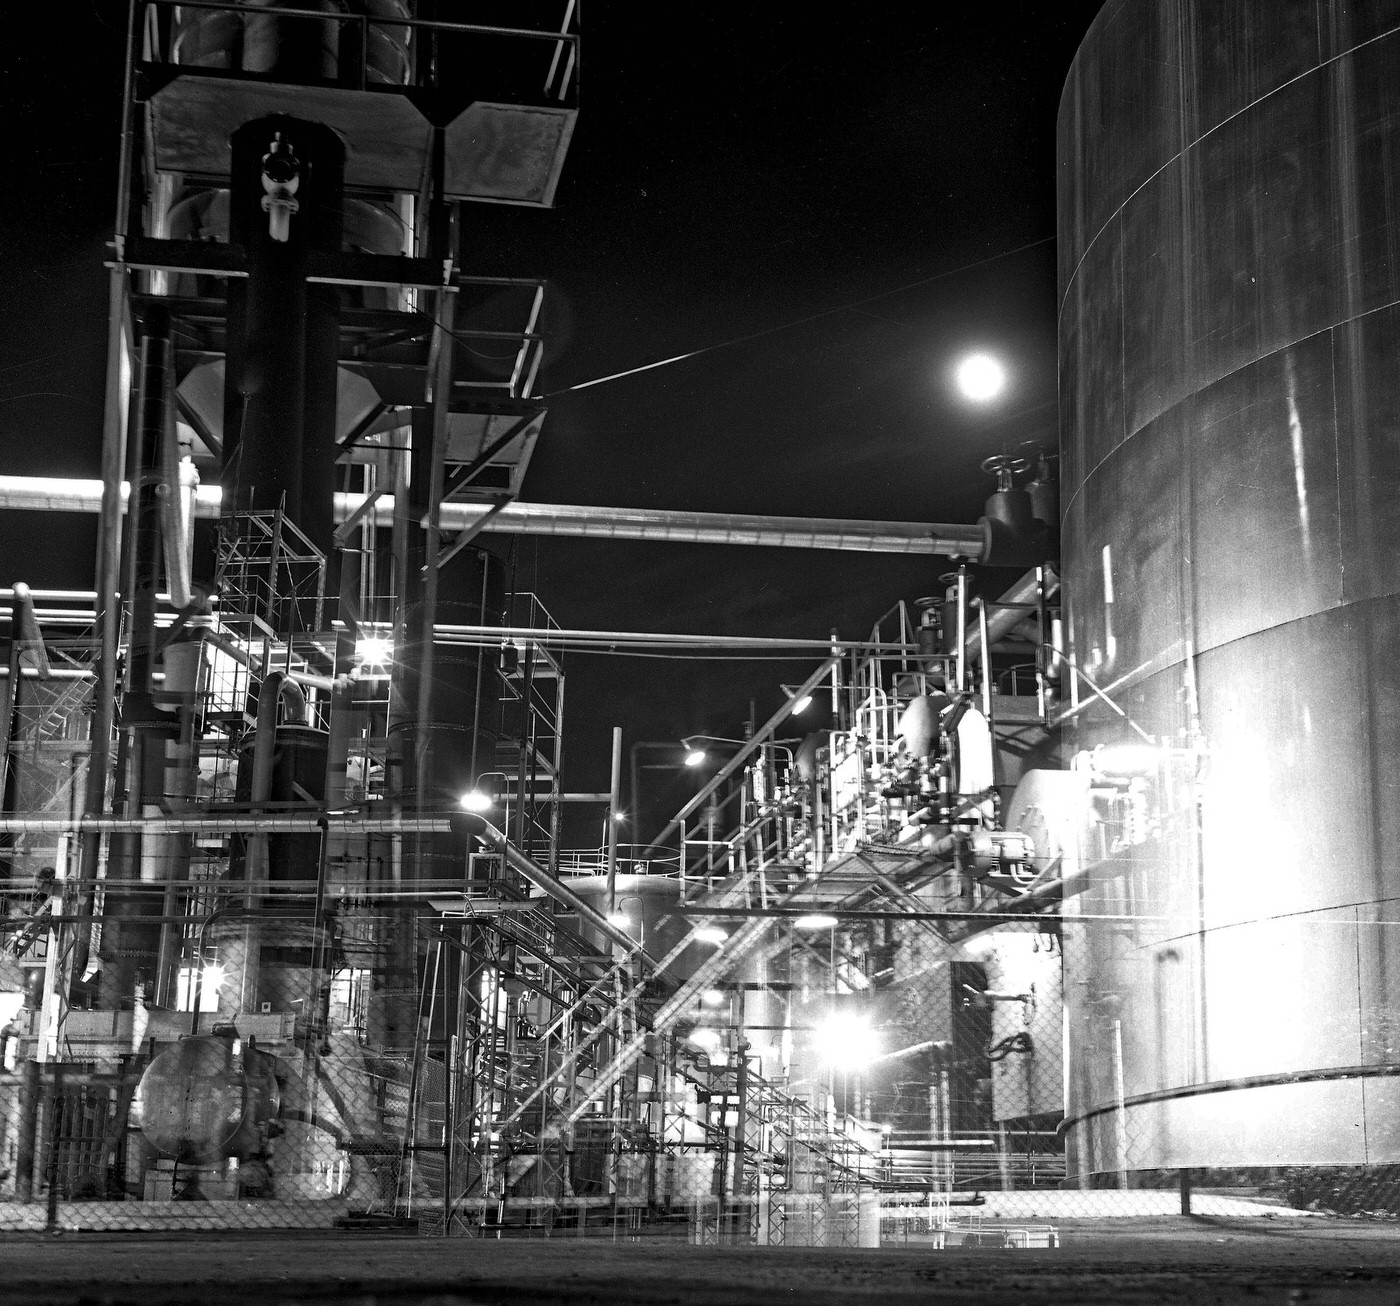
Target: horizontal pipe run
[889,914]
[545,796]
[441,893]
[266,824]
[55,673]
[66,494]
[608,638]
[488,636]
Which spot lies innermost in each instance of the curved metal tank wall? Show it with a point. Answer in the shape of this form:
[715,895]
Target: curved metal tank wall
[1230,414]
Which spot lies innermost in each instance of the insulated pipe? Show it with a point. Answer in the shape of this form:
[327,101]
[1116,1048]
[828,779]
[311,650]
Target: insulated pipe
[33,656]
[177,531]
[68,494]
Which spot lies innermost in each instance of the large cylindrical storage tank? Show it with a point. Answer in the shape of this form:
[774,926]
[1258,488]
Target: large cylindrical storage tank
[1229,332]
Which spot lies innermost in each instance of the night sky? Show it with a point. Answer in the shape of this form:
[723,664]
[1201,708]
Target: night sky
[875,196]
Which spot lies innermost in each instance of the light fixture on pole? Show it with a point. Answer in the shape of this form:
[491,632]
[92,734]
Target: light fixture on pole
[481,799]
[697,756]
[800,702]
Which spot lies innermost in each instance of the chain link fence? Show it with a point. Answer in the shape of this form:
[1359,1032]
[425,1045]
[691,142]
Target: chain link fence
[938,1118]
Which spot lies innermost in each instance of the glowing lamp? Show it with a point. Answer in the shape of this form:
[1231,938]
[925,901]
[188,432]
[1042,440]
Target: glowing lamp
[373,650]
[846,1042]
[980,378]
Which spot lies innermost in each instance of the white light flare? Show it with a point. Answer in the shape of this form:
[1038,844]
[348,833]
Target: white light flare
[374,650]
[846,1042]
[980,378]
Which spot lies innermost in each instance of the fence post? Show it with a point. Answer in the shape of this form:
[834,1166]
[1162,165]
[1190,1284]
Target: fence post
[1184,1179]
[28,1129]
[55,1122]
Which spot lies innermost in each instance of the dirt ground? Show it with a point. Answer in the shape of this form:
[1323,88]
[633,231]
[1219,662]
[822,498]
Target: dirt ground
[1203,1262]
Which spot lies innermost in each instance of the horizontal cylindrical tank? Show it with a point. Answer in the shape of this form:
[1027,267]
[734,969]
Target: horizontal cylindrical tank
[1228,335]
[207,1098]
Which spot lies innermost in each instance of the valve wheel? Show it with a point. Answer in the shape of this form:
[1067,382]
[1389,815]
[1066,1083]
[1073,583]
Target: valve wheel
[1009,464]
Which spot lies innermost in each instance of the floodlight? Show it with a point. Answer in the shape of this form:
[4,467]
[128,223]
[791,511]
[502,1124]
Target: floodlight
[373,650]
[845,1041]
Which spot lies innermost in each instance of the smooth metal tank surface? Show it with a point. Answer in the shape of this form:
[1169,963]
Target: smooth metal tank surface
[1229,329]
[207,1098]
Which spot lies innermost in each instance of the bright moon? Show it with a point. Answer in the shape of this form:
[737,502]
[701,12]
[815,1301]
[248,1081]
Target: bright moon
[981,377]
